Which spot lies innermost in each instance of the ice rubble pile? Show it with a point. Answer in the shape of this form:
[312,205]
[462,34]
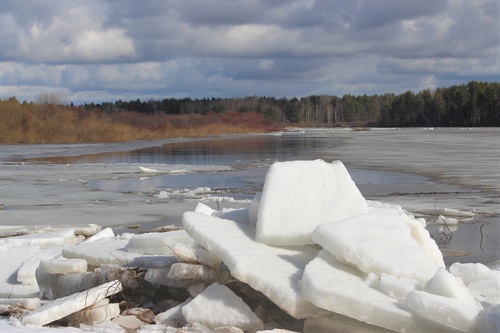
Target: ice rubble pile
[310,244]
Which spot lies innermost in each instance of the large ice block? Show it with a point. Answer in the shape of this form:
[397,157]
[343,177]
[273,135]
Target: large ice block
[299,195]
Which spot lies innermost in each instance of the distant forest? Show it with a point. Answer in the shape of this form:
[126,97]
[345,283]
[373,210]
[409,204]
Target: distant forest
[472,104]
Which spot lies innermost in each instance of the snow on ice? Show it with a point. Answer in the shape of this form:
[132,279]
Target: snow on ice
[309,254]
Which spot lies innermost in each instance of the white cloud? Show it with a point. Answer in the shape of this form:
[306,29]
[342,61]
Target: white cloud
[96,46]
[76,34]
[266,64]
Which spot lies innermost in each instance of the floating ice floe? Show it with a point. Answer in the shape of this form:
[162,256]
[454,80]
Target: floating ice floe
[447,212]
[147,170]
[310,244]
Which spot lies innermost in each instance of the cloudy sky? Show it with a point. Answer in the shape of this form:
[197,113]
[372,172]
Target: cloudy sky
[104,50]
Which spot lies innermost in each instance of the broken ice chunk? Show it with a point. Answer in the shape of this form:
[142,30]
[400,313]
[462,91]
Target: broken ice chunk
[274,271]
[239,215]
[370,242]
[98,312]
[65,306]
[196,254]
[396,286]
[105,233]
[473,272]
[63,266]
[26,272]
[42,239]
[442,310]
[9,286]
[103,251]
[342,289]
[199,273]
[147,170]
[445,284]
[299,195]
[172,316]
[218,306]
[481,281]
[157,243]
[204,209]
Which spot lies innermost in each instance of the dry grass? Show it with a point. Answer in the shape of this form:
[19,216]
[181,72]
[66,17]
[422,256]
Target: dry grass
[48,123]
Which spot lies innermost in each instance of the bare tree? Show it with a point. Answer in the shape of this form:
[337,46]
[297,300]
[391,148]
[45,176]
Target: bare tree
[52,98]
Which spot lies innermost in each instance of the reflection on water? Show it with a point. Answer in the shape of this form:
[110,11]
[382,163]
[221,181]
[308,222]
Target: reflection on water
[225,151]
[240,183]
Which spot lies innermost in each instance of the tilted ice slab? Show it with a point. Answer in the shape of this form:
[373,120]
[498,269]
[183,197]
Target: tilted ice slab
[482,281]
[13,259]
[158,243]
[417,228]
[274,271]
[147,250]
[63,266]
[103,251]
[378,242]
[299,195]
[445,311]
[343,289]
[445,284]
[65,306]
[42,239]
[218,306]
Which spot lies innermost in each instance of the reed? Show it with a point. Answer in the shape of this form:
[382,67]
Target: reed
[48,123]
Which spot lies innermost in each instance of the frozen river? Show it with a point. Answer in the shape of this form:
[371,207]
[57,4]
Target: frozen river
[419,169]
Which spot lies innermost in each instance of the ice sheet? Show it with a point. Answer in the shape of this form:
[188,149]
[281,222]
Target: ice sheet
[65,306]
[342,289]
[274,271]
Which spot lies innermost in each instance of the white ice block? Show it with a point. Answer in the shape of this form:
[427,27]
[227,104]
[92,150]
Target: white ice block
[274,271]
[378,242]
[442,310]
[445,284]
[65,306]
[473,272]
[63,266]
[103,251]
[196,254]
[9,286]
[396,287]
[299,195]
[342,289]
[100,312]
[218,306]
[157,242]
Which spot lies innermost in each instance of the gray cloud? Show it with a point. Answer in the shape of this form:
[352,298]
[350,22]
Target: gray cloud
[201,48]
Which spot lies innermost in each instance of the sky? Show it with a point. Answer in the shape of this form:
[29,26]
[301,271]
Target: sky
[106,50]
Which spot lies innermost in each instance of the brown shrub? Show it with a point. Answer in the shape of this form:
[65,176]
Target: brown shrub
[48,123]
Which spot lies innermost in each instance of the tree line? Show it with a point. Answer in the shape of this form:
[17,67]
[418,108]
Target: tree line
[472,104]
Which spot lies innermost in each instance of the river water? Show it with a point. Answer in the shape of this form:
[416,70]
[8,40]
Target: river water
[62,185]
